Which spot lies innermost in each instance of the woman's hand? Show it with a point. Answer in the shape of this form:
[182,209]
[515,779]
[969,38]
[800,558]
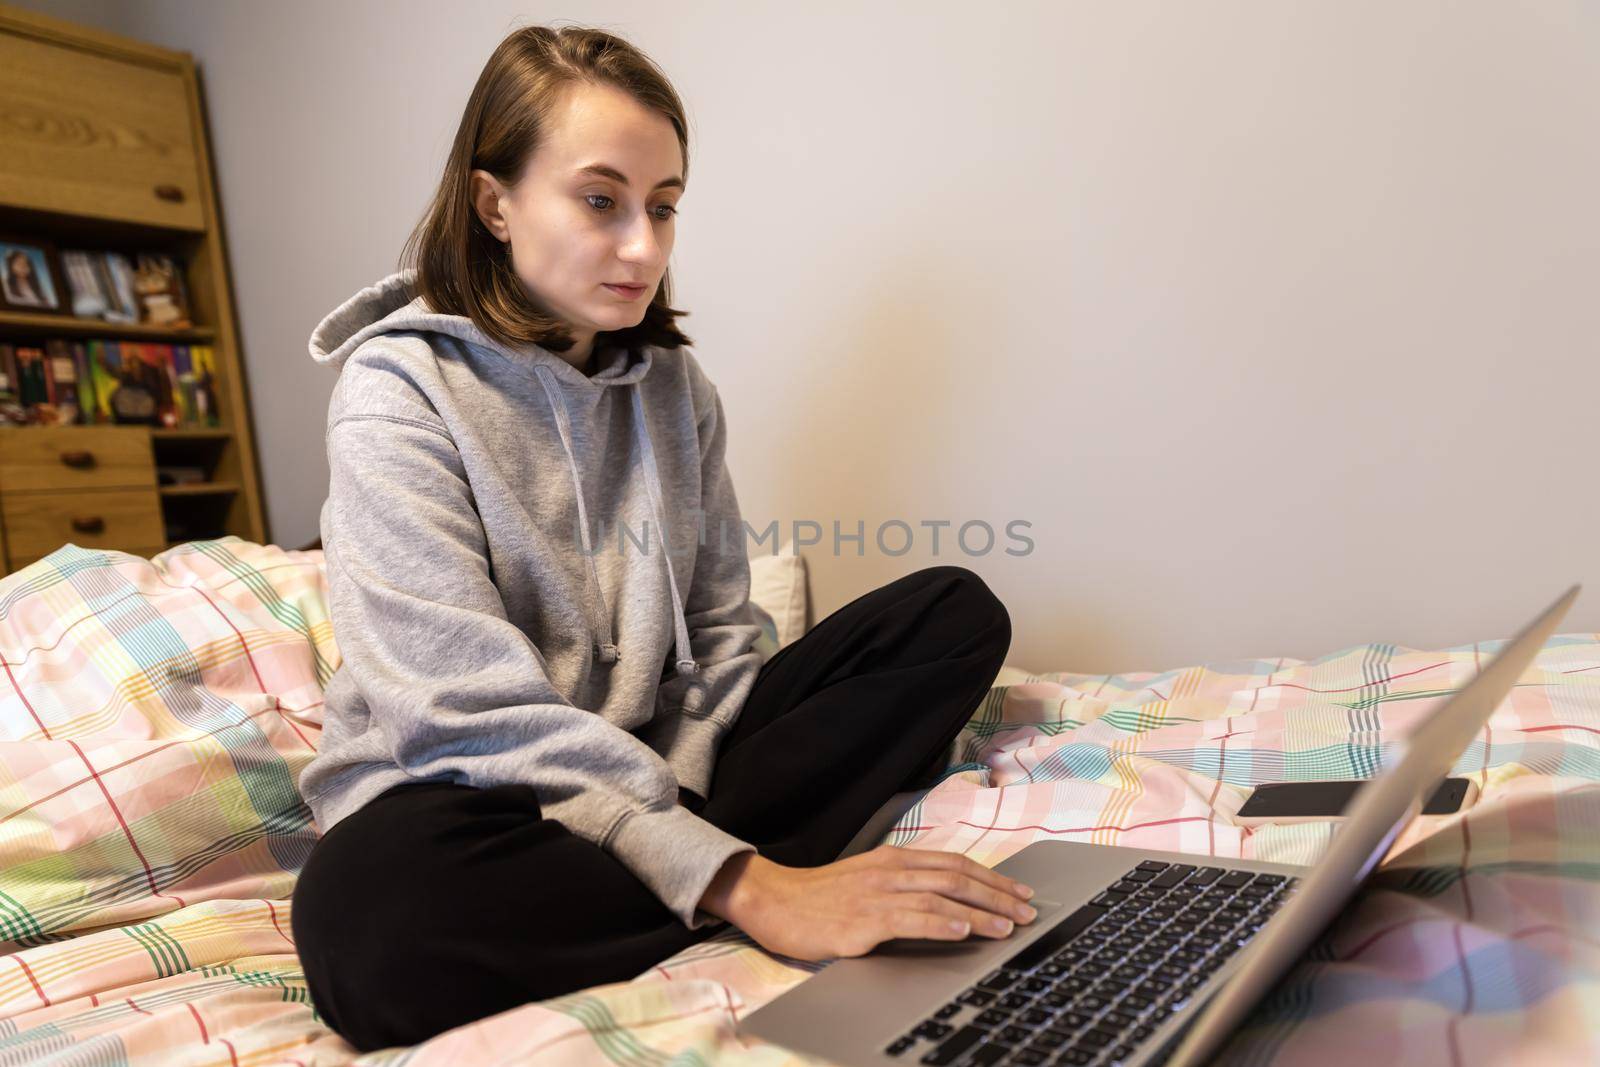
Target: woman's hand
[849,907]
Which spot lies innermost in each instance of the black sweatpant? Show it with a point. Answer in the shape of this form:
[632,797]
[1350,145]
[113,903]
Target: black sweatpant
[437,904]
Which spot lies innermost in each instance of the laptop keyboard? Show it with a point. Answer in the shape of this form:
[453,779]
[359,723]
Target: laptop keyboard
[1101,980]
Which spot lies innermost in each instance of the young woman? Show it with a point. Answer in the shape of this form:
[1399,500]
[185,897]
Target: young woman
[548,761]
[22,284]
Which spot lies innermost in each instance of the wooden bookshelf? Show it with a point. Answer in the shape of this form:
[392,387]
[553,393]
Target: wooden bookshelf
[104,145]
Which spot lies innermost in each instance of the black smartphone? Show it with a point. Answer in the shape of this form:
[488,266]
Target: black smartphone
[1326,800]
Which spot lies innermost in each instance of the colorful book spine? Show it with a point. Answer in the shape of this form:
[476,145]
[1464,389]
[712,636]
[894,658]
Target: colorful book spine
[86,404]
[175,374]
[105,361]
[61,372]
[49,377]
[31,388]
[144,362]
[206,385]
[8,374]
[129,365]
[11,410]
[163,382]
[188,398]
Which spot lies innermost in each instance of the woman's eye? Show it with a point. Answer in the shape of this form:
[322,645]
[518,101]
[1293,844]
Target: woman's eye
[592,197]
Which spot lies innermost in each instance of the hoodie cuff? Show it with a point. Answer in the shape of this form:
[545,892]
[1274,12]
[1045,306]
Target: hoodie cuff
[676,853]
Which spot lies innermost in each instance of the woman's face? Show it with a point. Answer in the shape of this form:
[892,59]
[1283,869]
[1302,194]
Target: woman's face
[575,230]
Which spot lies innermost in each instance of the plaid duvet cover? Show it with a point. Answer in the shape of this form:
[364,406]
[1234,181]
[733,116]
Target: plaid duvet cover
[155,715]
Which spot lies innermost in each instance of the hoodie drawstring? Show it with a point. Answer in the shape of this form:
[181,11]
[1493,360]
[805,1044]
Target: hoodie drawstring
[652,483]
[605,649]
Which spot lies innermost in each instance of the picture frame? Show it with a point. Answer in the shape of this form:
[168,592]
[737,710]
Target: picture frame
[31,278]
[159,285]
[117,277]
[90,289]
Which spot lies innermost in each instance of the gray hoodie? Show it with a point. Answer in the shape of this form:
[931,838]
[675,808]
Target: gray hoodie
[496,624]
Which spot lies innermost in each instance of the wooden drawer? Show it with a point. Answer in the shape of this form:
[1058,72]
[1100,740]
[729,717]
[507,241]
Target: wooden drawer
[39,523]
[88,134]
[76,457]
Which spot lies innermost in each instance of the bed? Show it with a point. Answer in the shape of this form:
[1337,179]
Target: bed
[156,713]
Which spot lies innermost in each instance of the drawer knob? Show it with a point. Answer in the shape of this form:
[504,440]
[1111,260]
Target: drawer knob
[170,192]
[92,525]
[80,460]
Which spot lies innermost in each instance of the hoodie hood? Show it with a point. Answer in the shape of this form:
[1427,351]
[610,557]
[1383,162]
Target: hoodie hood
[393,305]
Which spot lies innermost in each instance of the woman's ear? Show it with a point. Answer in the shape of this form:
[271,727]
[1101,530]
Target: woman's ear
[487,193]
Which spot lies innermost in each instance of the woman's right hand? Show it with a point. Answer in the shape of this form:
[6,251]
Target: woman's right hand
[849,907]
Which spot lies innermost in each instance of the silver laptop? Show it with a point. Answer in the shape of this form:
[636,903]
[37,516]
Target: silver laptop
[1136,957]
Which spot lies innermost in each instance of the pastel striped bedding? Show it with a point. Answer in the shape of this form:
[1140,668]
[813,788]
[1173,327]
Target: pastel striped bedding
[155,715]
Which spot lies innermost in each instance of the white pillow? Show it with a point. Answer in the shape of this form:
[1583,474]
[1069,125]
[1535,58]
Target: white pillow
[778,587]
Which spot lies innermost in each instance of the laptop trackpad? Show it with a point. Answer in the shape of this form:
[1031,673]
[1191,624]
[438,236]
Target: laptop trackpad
[959,955]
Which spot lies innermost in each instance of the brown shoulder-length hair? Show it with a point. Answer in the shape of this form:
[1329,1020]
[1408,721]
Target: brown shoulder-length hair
[462,268]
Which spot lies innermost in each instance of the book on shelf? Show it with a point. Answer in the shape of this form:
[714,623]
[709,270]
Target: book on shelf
[162,381]
[61,383]
[100,381]
[90,295]
[105,367]
[11,410]
[204,364]
[184,385]
[142,364]
[80,360]
[32,389]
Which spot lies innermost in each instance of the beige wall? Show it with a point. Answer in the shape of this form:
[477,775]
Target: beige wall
[1248,308]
